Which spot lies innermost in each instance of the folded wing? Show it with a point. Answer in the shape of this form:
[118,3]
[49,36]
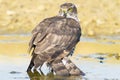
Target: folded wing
[55,34]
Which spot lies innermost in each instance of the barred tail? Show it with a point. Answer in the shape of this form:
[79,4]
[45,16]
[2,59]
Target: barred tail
[65,69]
[59,68]
[72,68]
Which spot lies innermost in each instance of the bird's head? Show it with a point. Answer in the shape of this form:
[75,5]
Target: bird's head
[68,10]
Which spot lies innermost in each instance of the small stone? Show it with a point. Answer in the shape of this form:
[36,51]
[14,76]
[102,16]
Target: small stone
[14,72]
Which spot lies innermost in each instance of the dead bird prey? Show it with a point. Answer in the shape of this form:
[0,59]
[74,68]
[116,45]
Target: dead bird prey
[53,40]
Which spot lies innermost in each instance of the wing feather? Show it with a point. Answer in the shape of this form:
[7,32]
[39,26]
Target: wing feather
[56,34]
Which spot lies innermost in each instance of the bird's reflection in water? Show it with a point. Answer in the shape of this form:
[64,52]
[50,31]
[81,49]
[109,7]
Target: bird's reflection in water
[50,76]
[37,76]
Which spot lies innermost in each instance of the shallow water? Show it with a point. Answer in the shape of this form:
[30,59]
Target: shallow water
[97,63]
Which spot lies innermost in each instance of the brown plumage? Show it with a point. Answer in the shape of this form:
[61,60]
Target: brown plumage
[52,40]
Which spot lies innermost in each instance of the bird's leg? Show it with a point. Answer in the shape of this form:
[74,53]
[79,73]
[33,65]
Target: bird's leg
[30,65]
[50,71]
[35,69]
[48,64]
[41,71]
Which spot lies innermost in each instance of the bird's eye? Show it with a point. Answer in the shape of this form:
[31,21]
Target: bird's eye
[70,9]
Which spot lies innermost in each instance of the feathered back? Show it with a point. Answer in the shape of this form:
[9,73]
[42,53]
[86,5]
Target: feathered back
[55,32]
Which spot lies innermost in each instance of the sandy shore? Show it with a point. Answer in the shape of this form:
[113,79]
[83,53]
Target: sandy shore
[97,17]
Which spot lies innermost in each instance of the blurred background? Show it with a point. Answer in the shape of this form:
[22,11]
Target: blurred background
[100,41]
[97,17]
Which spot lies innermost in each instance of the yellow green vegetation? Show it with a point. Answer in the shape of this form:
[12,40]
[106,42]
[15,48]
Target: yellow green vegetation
[97,17]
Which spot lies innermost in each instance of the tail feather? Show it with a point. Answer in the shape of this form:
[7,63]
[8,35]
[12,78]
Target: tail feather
[72,68]
[69,68]
[59,68]
[39,60]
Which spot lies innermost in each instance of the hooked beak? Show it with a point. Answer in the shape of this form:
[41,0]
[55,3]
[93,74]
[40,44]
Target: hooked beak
[64,12]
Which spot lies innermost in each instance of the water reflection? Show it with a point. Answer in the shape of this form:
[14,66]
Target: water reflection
[50,76]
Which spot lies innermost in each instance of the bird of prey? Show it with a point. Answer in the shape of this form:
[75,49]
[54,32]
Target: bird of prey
[54,38]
